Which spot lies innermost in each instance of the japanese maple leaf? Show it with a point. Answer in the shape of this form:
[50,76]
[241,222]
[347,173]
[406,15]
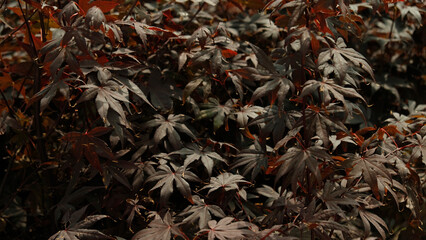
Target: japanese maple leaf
[278,85]
[134,207]
[226,181]
[247,112]
[219,113]
[161,90]
[89,145]
[201,212]
[201,35]
[58,84]
[237,81]
[369,166]
[212,55]
[226,229]
[321,121]
[78,230]
[270,193]
[383,27]
[109,95]
[296,160]
[143,30]
[342,59]
[206,155]
[274,121]
[401,121]
[165,177]
[169,127]
[334,195]
[320,220]
[328,89]
[115,169]
[390,186]
[309,42]
[160,229]
[296,8]
[420,147]
[281,204]
[367,218]
[253,159]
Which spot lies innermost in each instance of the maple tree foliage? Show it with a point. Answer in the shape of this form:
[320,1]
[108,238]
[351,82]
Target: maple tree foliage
[212,119]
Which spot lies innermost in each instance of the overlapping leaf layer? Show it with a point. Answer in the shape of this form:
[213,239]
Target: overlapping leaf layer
[212,119]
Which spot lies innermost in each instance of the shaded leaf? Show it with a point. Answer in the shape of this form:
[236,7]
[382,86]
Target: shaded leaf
[206,155]
[165,177]
[295,161]
[369,166]
[201,212]
[378,223]
[169,128]
[226,181]
[253,159]
[227,229]
[159,229]
[219,113]
[79,230]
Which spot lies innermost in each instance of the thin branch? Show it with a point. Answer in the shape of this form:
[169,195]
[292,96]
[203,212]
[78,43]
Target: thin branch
[37,85]
[131,10]
[393,22]
[2,3]
[16,29]
[195,15]
[29,30]
[7,104]
[43,27]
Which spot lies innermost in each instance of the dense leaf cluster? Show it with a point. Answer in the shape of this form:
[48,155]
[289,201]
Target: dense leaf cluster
[212,119]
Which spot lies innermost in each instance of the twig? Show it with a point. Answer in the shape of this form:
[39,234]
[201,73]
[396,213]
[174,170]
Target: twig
[195,15]
[43,27]
[28,28]
[131,10]
[16,29]
[2,2]
[393,22]
[7,104]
